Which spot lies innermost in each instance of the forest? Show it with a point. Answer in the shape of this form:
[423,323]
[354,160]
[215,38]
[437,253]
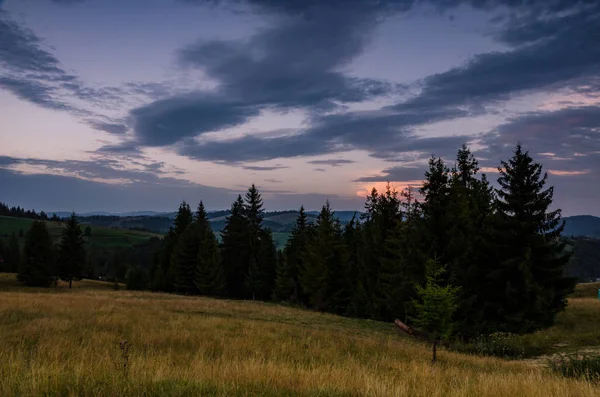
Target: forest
[454,257]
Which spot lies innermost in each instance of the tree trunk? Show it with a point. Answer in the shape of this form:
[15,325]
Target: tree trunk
[434,352]
[70,281]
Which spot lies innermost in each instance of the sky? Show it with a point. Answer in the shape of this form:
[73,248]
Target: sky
[111,105]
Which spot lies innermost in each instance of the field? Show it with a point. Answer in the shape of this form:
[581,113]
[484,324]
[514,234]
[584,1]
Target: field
[60,342]
[103,237]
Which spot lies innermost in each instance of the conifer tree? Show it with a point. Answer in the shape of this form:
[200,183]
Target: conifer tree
[37,263]
[235,248]
[267,256]
[294,255]
[360,302]
[209,276]
[167,278]
[435,208]
[324,277]
[71,255]
[531,271]
[284,284]
[435,306]
[184,260]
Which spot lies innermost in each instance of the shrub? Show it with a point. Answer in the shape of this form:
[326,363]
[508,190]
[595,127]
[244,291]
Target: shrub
[498,344]
[576,365]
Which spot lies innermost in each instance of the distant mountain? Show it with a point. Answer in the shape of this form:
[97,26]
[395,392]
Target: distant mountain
[582,225]
[277,221]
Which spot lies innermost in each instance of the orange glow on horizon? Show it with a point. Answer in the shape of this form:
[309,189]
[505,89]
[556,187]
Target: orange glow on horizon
[365,190]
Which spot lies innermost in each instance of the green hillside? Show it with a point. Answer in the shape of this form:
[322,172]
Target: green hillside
[104,237]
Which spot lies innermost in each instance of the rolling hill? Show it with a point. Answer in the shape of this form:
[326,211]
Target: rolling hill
[582,225]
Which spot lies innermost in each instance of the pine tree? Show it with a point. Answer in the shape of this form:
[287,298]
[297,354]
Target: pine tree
[209,276]
[531,271]
[435,306]
[267,256]
[435,208]
[284,284]
[184,260]
[234,249]
[36,268]
[293,255]
[71,255]
[325,274]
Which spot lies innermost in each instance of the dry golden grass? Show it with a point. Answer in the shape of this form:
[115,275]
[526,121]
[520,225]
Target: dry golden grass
[66,343]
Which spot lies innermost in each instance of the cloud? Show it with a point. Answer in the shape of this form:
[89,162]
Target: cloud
[293,64]
[169,120]
[108,169]
[551,53]
[320,170]
[264,168]
[396,174]
[111,128]
[273,180]
[332,162]
[384,134]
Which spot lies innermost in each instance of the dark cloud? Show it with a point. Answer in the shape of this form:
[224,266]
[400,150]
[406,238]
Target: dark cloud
[320,170]
[111,128]
[167,121]
[384,134]
[396,174]
[560,52]
[332,162]
[264,168]
[294,64]
[567,139]
[66,193]
[273,180]
[105,168]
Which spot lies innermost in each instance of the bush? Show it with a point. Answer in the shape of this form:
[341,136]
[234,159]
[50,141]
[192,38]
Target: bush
[576,365]
[498,344]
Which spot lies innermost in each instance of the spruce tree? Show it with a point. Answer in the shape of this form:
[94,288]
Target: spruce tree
[268,264]
[531,270]
[435,209]
[235,248]
[165,278]
[209,276]
[71,255]
[184,260]
[360,303]
[435,306]
[325,274]
[293,255]
[37,263]
[284,284]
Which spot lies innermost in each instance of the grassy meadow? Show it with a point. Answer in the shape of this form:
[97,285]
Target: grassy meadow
[61,342]
[103,237]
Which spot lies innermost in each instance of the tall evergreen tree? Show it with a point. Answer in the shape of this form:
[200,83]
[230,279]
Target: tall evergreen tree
[435,208]
[293,257]
[325,274]
[235,248]
[209,276]
[184,260]
[37,264]
[71,255]
[531,271]
[284,284]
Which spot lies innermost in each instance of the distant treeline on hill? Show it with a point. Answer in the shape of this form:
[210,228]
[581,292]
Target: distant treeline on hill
[19,212]
[467,258]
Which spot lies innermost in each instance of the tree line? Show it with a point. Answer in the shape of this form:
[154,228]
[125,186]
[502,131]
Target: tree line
[455,256]
[18,212]
[498,251]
